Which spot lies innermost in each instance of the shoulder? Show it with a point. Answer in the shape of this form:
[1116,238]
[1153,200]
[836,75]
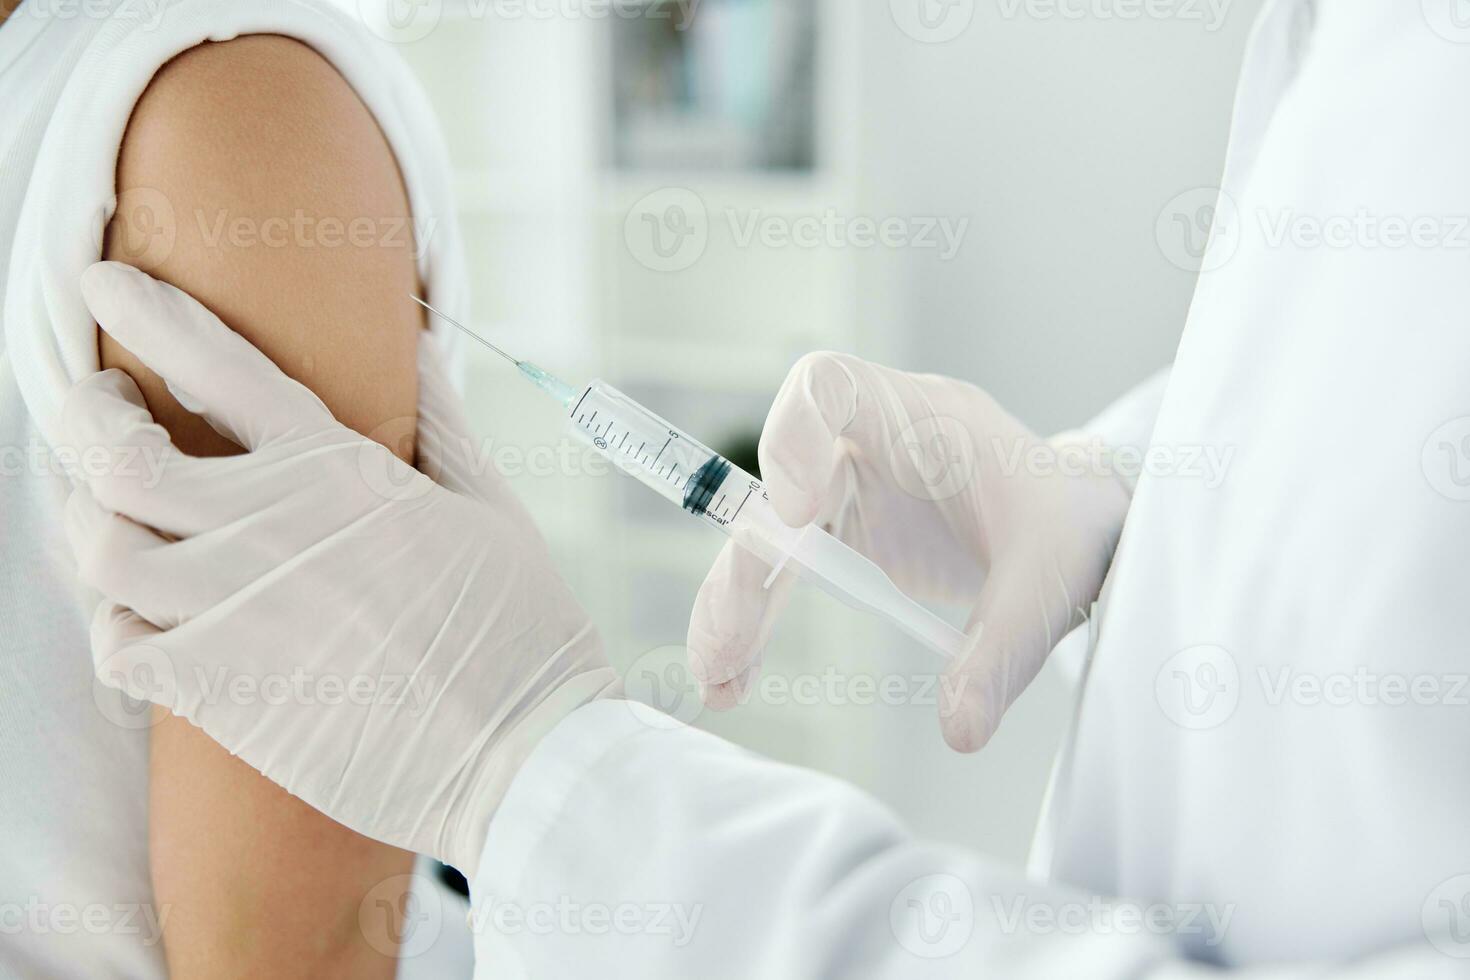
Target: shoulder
[255,153]
[253,177]
[296,121]
[264,110]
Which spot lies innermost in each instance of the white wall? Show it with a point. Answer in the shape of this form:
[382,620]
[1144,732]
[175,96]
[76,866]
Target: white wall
[1063,140]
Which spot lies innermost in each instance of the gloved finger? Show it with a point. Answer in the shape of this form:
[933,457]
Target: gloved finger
[130,464]
[210,369]
[733,616]
[133,565]
[114,442]
[105,411]
[126,657]
[1011,636]
[798,446]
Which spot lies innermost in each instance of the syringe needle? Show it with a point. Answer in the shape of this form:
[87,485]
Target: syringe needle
[451,320]
[538,376]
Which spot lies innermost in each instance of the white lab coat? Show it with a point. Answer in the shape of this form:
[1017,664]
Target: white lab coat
[1269,758]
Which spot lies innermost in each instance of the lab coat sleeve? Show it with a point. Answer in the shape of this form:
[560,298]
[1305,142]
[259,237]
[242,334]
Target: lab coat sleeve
[1129,421]
[631,846]
[1127,424]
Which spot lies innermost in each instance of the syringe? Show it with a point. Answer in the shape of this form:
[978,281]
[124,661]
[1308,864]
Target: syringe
[706,485]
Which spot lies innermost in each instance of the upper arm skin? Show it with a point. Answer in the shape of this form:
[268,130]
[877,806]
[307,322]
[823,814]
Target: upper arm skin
[260,157]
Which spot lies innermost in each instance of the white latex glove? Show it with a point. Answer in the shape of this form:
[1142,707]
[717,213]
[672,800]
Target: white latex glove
[950,495]
[409,640]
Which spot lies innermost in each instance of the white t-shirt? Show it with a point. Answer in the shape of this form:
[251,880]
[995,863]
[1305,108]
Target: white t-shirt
[75,897]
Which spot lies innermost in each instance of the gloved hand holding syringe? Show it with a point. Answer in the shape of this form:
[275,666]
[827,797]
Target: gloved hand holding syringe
[706,485]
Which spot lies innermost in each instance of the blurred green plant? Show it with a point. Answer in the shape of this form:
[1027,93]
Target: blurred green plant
[741,450]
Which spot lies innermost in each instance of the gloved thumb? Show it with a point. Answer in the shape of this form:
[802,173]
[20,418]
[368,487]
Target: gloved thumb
[210,369]
[799,442]
[125,656]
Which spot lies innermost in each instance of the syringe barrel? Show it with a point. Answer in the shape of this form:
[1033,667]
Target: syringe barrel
[669,462]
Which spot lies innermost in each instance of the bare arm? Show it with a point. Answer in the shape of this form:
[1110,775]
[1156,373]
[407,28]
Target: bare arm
[289,219]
